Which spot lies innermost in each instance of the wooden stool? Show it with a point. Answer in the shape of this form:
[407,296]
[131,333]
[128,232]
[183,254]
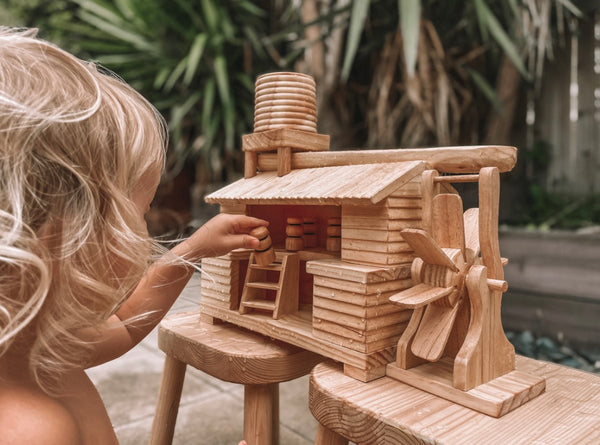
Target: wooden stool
[231,354]
[388,411]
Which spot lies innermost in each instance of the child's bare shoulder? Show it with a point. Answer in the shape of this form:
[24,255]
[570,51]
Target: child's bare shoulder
[30,416]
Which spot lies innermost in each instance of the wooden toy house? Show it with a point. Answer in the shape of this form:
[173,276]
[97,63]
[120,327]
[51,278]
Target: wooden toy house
[375,264]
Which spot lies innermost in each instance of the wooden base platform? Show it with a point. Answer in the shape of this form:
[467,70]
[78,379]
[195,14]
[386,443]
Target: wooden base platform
[296,329]
[495,398]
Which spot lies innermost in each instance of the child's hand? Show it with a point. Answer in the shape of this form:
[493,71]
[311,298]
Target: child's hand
[224,233]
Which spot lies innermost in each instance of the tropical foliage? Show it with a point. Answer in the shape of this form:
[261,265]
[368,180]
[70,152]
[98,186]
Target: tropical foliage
[195,60]
[390,73]
[420,72]
[447,71]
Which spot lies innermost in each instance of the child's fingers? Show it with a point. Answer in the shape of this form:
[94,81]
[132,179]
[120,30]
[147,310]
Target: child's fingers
[250,242]
[246,223]
[232,242]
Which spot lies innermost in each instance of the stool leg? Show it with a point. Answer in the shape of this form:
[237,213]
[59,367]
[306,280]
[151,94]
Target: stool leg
[275,414]
[169,395]
[327,437]
[261,412]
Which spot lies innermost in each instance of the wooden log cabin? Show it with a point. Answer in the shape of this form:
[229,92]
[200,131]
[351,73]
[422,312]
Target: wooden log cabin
[336,302]
[369,258]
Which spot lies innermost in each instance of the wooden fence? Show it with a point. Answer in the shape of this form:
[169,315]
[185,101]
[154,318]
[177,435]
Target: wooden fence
[567,114]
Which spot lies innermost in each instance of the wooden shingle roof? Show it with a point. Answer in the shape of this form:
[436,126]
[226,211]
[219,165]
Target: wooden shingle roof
[349,184]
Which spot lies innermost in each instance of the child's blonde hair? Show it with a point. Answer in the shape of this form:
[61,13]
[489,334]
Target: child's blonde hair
[74,143]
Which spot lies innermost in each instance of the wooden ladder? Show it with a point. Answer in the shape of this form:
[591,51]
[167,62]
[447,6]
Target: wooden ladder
[257,285]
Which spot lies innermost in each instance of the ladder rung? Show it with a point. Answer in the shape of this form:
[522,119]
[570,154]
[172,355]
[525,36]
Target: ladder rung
[267,305]
[263,285]
[272,266]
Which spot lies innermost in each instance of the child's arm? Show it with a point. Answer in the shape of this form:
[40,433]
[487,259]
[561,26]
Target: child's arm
[165,280]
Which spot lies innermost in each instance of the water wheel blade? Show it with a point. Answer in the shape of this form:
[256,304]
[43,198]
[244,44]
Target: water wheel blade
[447,221]
[426,248]
[420,295]
[471,218]
[433,333]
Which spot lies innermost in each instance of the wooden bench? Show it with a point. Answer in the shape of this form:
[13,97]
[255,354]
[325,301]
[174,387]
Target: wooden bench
[231,354]
[388,411]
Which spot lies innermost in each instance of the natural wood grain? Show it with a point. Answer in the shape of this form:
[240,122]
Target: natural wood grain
[376,246]
[471,224]
[405,358]
[476,341]
[466,159]
[434,331]
[297,330]
[286,299]
[370,234]
[264,254]
[382,210]
[357,272]
[457,178]
[352,185]
[495,398]
[261,414]
[284,155]
[360,289]
[350,306]
[326,436]
[284,291]
[287,123]
[283,94]
[419,295]
[250,164]
[284,115]
[231,354]
[167,407]
[309,112]
[486,352]
[271,140]
[390,206]
[251,358]
[386,225]
[220,280]
[427,249]
[281,77]
[489,202]
[388,411]
[285,80]
[355,310]
[429,189]
[233,209]
[448,224]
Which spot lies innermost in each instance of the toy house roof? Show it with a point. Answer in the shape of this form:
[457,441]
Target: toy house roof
[348,184]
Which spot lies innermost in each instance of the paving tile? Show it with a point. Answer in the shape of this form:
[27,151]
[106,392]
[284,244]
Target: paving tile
[218,420]
[129,385]
[135,433]
[294,412]
[215,421]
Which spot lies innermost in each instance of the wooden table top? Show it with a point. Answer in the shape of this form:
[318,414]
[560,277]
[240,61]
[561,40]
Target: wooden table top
[388,411]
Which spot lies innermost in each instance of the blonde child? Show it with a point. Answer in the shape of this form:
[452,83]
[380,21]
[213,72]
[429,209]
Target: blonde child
[81,155]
